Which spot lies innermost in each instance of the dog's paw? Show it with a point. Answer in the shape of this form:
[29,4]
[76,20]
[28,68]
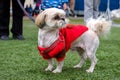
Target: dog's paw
[77,66]
[89,71]
[57,71]
[48,69]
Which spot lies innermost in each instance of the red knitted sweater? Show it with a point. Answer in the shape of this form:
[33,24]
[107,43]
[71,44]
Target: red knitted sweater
[61,46]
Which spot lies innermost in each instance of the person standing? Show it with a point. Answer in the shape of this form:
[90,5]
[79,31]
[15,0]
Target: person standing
[36,10]
[17,22]
[72,5]
[61,4]
[91,9]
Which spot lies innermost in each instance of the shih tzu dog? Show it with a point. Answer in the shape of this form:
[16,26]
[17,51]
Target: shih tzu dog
[56,36]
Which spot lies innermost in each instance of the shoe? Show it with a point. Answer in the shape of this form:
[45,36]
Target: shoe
[72,13]
[4,37]
[18,37]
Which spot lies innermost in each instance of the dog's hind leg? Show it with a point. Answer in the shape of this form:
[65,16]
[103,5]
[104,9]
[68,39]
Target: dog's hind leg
[91,48]
[79,65]
[91,55]
[59,67]
[50,65]
[93,60]
[83,56]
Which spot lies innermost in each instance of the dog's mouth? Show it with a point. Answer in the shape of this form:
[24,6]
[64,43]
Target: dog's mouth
[61,24]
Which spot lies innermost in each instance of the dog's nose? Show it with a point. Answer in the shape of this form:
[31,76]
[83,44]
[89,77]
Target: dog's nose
[63,19]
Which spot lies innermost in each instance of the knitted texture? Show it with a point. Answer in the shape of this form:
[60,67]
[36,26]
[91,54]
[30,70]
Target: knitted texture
[62,45]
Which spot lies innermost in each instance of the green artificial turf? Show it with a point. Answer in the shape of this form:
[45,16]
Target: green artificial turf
[20,60]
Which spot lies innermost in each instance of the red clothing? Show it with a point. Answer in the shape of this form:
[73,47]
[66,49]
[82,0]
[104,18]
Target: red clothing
[62,45]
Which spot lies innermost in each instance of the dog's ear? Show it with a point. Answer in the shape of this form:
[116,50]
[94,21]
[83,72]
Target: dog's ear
[40,19]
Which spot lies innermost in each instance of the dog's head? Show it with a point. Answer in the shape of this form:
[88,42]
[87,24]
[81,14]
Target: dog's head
[51,18]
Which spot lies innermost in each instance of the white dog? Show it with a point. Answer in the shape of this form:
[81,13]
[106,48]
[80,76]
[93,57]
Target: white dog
[52,44]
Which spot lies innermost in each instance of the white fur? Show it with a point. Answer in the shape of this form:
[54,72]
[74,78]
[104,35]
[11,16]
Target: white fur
[115,13]
[100,26]
[86,45]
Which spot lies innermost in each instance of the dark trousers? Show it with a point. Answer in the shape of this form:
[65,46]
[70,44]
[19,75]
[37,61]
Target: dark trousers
[17,17]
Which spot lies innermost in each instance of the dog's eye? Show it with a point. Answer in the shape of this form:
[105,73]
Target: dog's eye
[57,17]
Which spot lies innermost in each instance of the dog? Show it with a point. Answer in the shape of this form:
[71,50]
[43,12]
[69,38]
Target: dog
[115,14]
[53,24]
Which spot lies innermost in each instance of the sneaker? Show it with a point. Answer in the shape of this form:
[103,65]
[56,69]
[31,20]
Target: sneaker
[18,37]
[4,37]
[72,13]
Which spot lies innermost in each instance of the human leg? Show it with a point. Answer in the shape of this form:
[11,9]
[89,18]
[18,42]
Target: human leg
[88,9]
[4,19]
[72,5]
[96,8]
[17,25]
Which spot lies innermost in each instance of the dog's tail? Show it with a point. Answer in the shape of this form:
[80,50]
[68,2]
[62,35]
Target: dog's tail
[100,26]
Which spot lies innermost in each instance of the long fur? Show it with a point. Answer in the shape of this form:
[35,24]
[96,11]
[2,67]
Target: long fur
[115,14]
[51,20]
[100,26]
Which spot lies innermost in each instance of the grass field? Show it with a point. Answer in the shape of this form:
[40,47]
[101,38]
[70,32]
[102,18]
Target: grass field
[20,60]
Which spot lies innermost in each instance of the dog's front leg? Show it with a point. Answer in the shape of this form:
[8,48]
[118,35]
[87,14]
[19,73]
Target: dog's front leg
[59,67]
[50,65]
